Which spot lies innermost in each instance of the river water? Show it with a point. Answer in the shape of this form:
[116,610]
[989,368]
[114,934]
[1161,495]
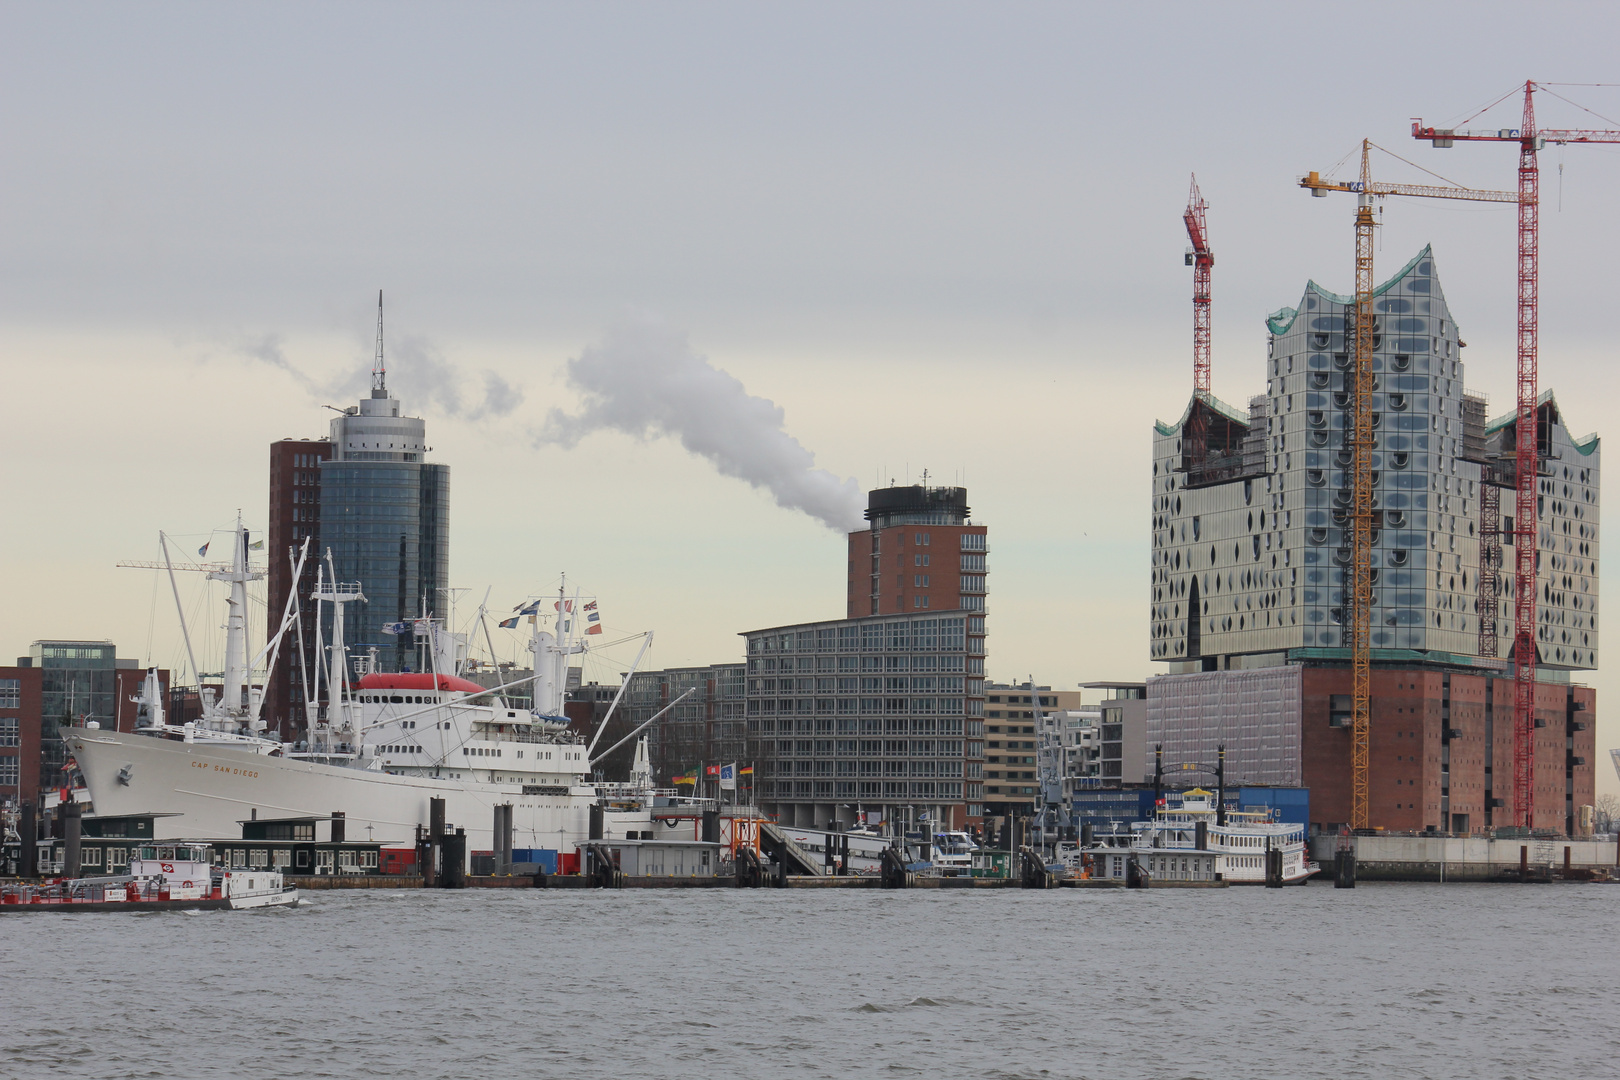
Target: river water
[1406,981]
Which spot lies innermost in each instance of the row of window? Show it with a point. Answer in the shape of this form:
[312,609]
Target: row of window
[870,725]
[870,789]
[923,635]
[825,664]
[872,747]
[856,706]
[864,768]
[869,683]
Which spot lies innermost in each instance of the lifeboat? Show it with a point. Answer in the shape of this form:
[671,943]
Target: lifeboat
[413,680]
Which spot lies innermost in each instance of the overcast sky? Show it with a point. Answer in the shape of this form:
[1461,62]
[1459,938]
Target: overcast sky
[941,236]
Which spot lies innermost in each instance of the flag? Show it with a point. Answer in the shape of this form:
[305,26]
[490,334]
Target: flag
[728,777]
[593,629]
[683,779]
[564,605]
[507,624]
[396,627]
[711,770]
[591,606]
[257,545]
[593,617]
[203,550]
[746,770]
[528,609]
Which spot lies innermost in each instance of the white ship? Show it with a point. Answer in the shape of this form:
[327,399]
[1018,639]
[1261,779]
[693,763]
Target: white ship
[382,748]
[1239,838]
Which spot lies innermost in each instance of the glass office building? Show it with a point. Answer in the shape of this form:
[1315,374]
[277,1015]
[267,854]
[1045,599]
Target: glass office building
[385,517]
[79,682]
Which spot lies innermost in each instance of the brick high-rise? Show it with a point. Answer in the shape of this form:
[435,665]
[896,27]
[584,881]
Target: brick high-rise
[920,554]
[295,514]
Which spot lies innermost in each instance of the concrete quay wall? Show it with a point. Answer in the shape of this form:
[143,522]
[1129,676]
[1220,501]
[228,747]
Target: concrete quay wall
[1448,858]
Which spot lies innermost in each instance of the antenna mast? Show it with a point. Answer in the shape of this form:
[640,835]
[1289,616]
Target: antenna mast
[379,371]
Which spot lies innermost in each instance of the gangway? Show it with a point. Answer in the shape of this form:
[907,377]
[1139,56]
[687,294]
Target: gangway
[776,843]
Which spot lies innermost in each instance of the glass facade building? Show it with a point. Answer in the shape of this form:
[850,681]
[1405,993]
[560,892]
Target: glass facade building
[78,681]
[1251,510]
[385,517]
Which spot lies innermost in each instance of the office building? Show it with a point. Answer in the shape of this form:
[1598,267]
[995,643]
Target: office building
[367,495]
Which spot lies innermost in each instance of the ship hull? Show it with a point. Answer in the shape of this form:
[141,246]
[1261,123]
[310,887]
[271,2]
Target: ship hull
[206,791]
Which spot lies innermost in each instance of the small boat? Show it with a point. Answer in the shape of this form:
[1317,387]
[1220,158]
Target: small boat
[163,877]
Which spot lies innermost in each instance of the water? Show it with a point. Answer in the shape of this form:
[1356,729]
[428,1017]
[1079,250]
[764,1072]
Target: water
[1408,981]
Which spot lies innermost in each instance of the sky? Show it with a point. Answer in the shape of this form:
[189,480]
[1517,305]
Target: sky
[674,284]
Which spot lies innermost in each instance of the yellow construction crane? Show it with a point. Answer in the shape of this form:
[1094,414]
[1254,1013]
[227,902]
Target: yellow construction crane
[1359,597]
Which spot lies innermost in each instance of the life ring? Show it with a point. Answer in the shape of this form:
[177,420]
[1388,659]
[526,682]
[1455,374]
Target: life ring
[185,884]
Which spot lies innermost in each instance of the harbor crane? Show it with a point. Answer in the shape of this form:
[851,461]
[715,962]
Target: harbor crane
[1359,596]
[1527,454]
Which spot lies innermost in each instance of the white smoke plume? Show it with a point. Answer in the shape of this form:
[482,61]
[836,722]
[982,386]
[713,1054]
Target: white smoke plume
[417,372]
[647,382]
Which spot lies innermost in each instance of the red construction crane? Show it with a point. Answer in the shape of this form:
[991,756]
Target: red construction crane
[1200,258]
[1527,458]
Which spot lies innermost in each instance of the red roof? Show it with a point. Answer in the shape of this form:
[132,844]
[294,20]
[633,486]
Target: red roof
[412,680]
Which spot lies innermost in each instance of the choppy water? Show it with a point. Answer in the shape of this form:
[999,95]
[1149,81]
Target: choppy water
[1406,981]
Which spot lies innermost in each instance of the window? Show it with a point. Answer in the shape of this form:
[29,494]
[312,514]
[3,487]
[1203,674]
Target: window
[10,773]
[8,731]
[10,693]
[90,856]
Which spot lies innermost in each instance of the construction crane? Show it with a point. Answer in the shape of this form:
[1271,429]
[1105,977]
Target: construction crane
[1200,258]
[1526,453]
[1359,596]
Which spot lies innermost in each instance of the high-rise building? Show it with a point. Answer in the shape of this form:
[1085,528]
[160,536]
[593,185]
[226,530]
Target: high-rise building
[368,497]
[295,513]
[920,554]
[385,518]
[881,713]
[1250,556]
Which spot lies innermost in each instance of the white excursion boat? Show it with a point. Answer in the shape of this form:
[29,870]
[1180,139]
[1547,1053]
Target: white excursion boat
[379,750]
[161,877]
[1240,840]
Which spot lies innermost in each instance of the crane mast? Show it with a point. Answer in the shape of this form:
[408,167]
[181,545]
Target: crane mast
[1360,593]
[1200,258]
[1358,598]
[1526,450]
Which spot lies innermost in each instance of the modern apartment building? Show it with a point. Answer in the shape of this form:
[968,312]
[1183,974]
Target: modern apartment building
[879,718]
[1250,557]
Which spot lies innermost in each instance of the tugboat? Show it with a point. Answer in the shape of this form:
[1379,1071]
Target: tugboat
[166,877]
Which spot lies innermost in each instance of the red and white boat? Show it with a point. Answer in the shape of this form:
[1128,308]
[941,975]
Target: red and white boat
[161,877]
